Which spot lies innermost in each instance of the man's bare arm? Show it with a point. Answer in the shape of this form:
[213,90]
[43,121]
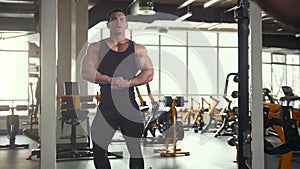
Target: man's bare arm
[288,11]
[90,64]
[144,64]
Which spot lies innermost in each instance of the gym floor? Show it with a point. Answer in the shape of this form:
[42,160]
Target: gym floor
[206,152]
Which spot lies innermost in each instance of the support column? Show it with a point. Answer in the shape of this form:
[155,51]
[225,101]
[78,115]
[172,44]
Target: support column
[82,19]
[72,35]
[256,83]
[48,83]
[65,41]
[65,58]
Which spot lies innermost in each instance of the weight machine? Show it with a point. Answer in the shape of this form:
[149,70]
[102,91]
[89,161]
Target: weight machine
[198,121]
[165,122]
[74,111]
[212,113]
[152,123]
[228,114]
[228,120]
[33,111]
[158,121]
[12,124]
[285,120]
[172,120]
[37,151]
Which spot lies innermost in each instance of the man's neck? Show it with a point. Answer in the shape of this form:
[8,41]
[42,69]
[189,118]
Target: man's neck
[117,38]
[117,43]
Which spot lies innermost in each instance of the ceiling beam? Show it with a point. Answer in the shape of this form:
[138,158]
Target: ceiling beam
[163,12]
[281,41]
[17,8]
[271,37]
[212,15]
[18,15]
[17,24]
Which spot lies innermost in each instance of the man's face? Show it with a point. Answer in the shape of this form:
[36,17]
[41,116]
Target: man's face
[117,22]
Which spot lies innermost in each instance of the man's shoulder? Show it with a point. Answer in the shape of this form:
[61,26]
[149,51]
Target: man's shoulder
[138,46]
[96,44]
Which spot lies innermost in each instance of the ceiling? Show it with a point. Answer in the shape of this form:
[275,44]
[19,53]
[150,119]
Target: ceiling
[23,16]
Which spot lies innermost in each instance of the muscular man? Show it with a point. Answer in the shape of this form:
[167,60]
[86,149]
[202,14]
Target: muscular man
[117,64]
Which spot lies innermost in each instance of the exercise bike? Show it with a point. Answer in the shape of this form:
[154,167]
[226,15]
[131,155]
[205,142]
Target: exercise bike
[160,121]
[285,120]
[198,121]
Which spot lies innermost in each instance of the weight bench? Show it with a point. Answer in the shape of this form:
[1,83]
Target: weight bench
[12,123]
[34,152]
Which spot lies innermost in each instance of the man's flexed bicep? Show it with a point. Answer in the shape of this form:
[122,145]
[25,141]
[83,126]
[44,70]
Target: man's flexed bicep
[90,65]
[144,64]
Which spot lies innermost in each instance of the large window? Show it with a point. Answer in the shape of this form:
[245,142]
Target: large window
[281,70]
[13,73]
[203,71]
[173,70]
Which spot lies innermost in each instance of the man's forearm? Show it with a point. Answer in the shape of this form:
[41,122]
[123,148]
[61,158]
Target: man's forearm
[96,77]
[144,77]
[102,79]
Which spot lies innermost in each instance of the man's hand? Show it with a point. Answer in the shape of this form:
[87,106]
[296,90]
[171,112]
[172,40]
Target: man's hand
[118,83]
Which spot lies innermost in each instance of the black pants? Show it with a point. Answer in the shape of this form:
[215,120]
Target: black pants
[103,128]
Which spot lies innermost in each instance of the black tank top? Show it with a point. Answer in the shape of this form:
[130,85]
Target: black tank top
[116,64]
